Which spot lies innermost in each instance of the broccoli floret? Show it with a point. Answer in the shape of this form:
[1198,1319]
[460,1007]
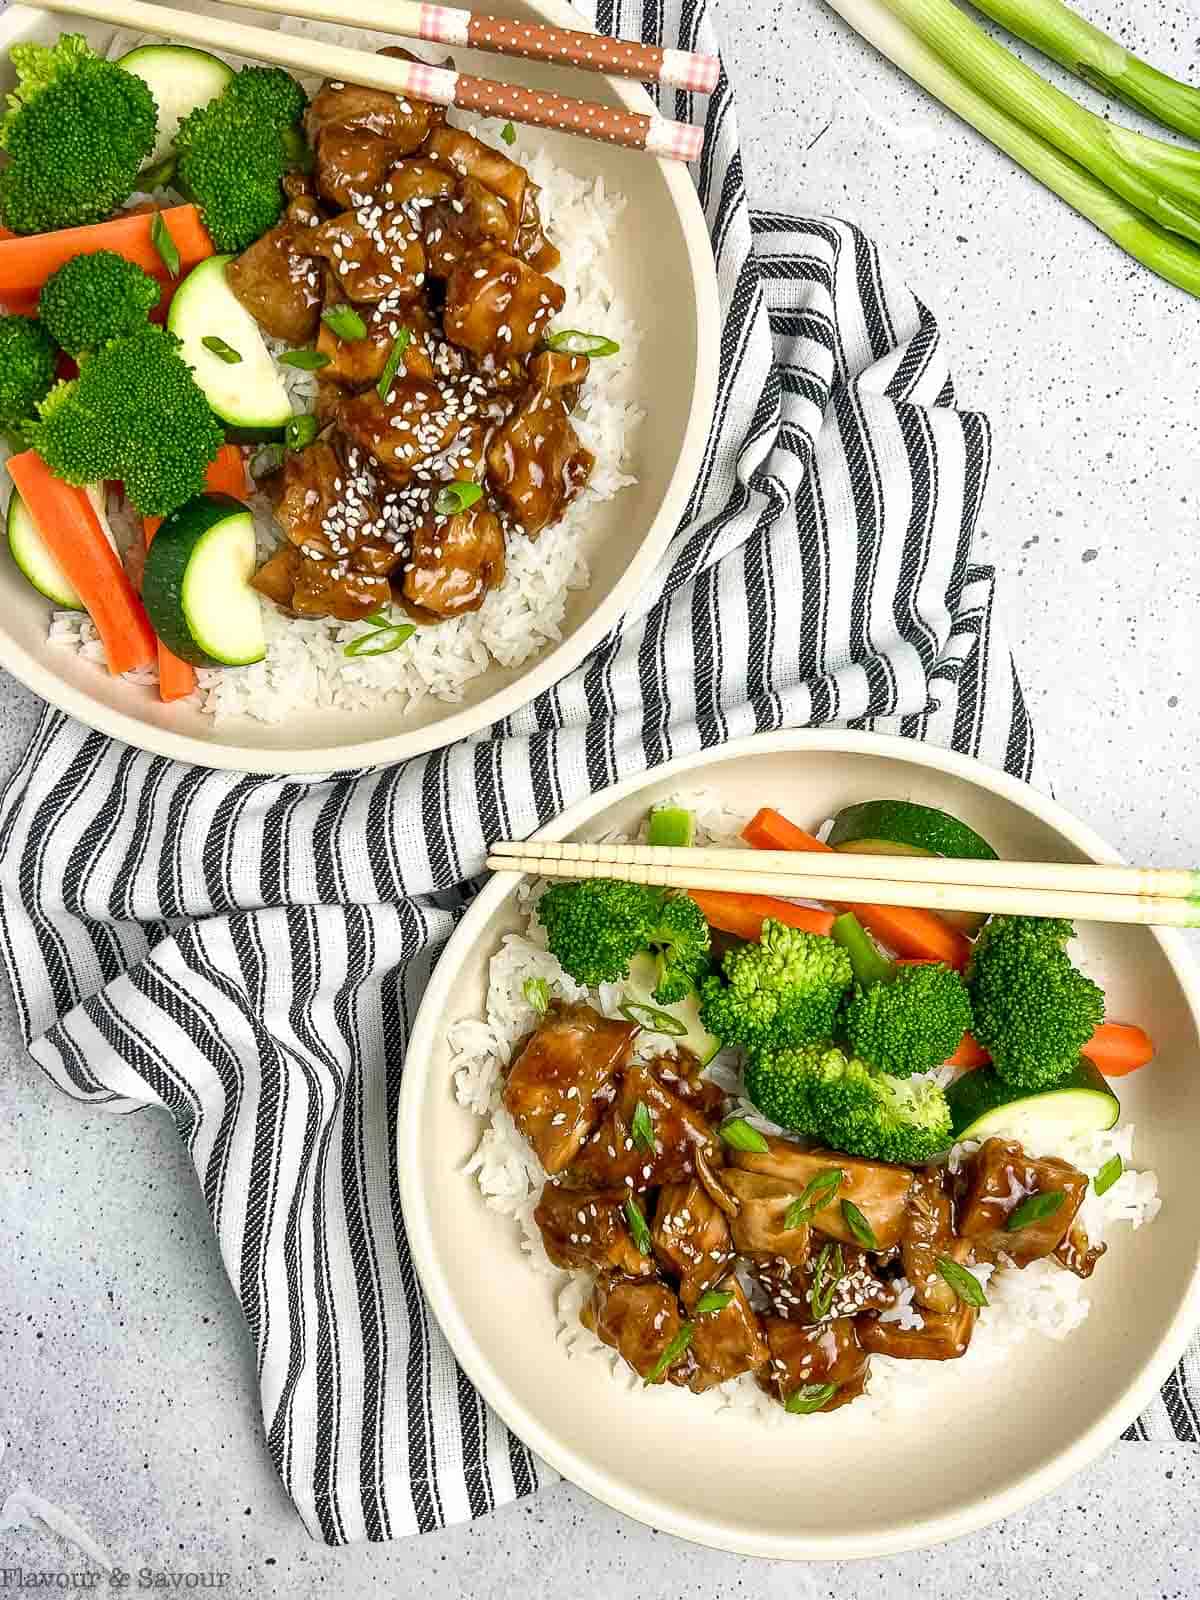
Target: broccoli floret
[77,131]
[1034,1010]
[595,928]
[134,413]
[27,360]
[95,298]
[784,990]
[818,1090]
[234,151]
[911,1022]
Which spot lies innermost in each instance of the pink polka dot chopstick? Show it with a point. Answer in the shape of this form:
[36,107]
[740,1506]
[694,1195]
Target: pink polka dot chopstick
[676,141]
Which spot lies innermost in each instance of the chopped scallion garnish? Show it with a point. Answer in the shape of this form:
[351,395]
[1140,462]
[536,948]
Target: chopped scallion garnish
[573,343]
[858,1225]
[392,365]
[641,1127]
[670,1355]
[713,1300]
[827,1274]
[382,642]
[305,360]
[452,498]
[964,1283]
[168,250]
[817,1192]
[223,352]
[535,990]
[739,1134]
[1108,1175]
[809,1397]
[508,133]
[1034,1208]
[637,1225]
[345,322]
[653,1018]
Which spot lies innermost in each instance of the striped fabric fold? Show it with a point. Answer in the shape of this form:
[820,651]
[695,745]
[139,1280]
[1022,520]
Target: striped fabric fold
[249,953]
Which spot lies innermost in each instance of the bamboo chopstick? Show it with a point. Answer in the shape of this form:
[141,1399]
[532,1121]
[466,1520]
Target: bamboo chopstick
[591,52]
[822,878]
[673,141]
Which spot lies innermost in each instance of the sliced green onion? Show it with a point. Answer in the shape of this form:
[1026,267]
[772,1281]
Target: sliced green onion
[827,1274]
[713,1300]
[965,1284]
[535,990]
[224,352]
[653,1019]
[858,1225]
[168,250]
[670,1355]
[817,1192]
[300,430]
[672,825]
[452,498]
[642,1126]
[1034,1208]
[159,175]
[1056,31]
[809,1397]
[637,1225]
[739,1134]
[383,619]
[508,133]
[1158,248]
[305,360]
[573,343]
[382,642]
[392,365]
[1108,1175]
[345,322]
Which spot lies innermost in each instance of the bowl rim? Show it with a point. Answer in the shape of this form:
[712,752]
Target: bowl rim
[713,1532]
[554,662]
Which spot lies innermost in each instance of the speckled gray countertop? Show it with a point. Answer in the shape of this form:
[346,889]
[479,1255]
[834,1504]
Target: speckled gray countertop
[127,1394]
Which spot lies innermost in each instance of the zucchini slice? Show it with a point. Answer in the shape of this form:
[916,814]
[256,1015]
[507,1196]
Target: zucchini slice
[904,828]
[36,561]
[180,78]
[982,1104]
[196,586]
[248,394]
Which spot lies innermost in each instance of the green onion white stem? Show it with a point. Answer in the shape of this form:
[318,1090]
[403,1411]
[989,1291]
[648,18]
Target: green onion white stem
[1056,31]
[1162,180]
[1163,252]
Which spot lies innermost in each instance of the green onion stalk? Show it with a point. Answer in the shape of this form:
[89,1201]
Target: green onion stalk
[1057,32]
[1162,180]
[1156,247]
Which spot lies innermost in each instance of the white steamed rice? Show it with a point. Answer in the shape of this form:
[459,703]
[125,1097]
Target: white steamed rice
[305,666]
[1042,1299]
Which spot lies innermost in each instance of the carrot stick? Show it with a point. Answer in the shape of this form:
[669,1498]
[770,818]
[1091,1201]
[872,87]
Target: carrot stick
[26,262]
[67,521]
[225,475]
[1118,1048]
[969,1053]
[743,914]
[907,930]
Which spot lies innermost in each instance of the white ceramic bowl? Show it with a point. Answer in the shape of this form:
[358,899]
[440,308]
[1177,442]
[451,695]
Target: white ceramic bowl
[661,262]
[990,1446]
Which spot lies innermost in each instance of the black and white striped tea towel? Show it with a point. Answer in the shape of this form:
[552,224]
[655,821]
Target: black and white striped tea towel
[249,952]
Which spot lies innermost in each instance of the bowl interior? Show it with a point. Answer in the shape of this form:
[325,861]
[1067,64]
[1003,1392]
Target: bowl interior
[844,1486]
[660,261]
